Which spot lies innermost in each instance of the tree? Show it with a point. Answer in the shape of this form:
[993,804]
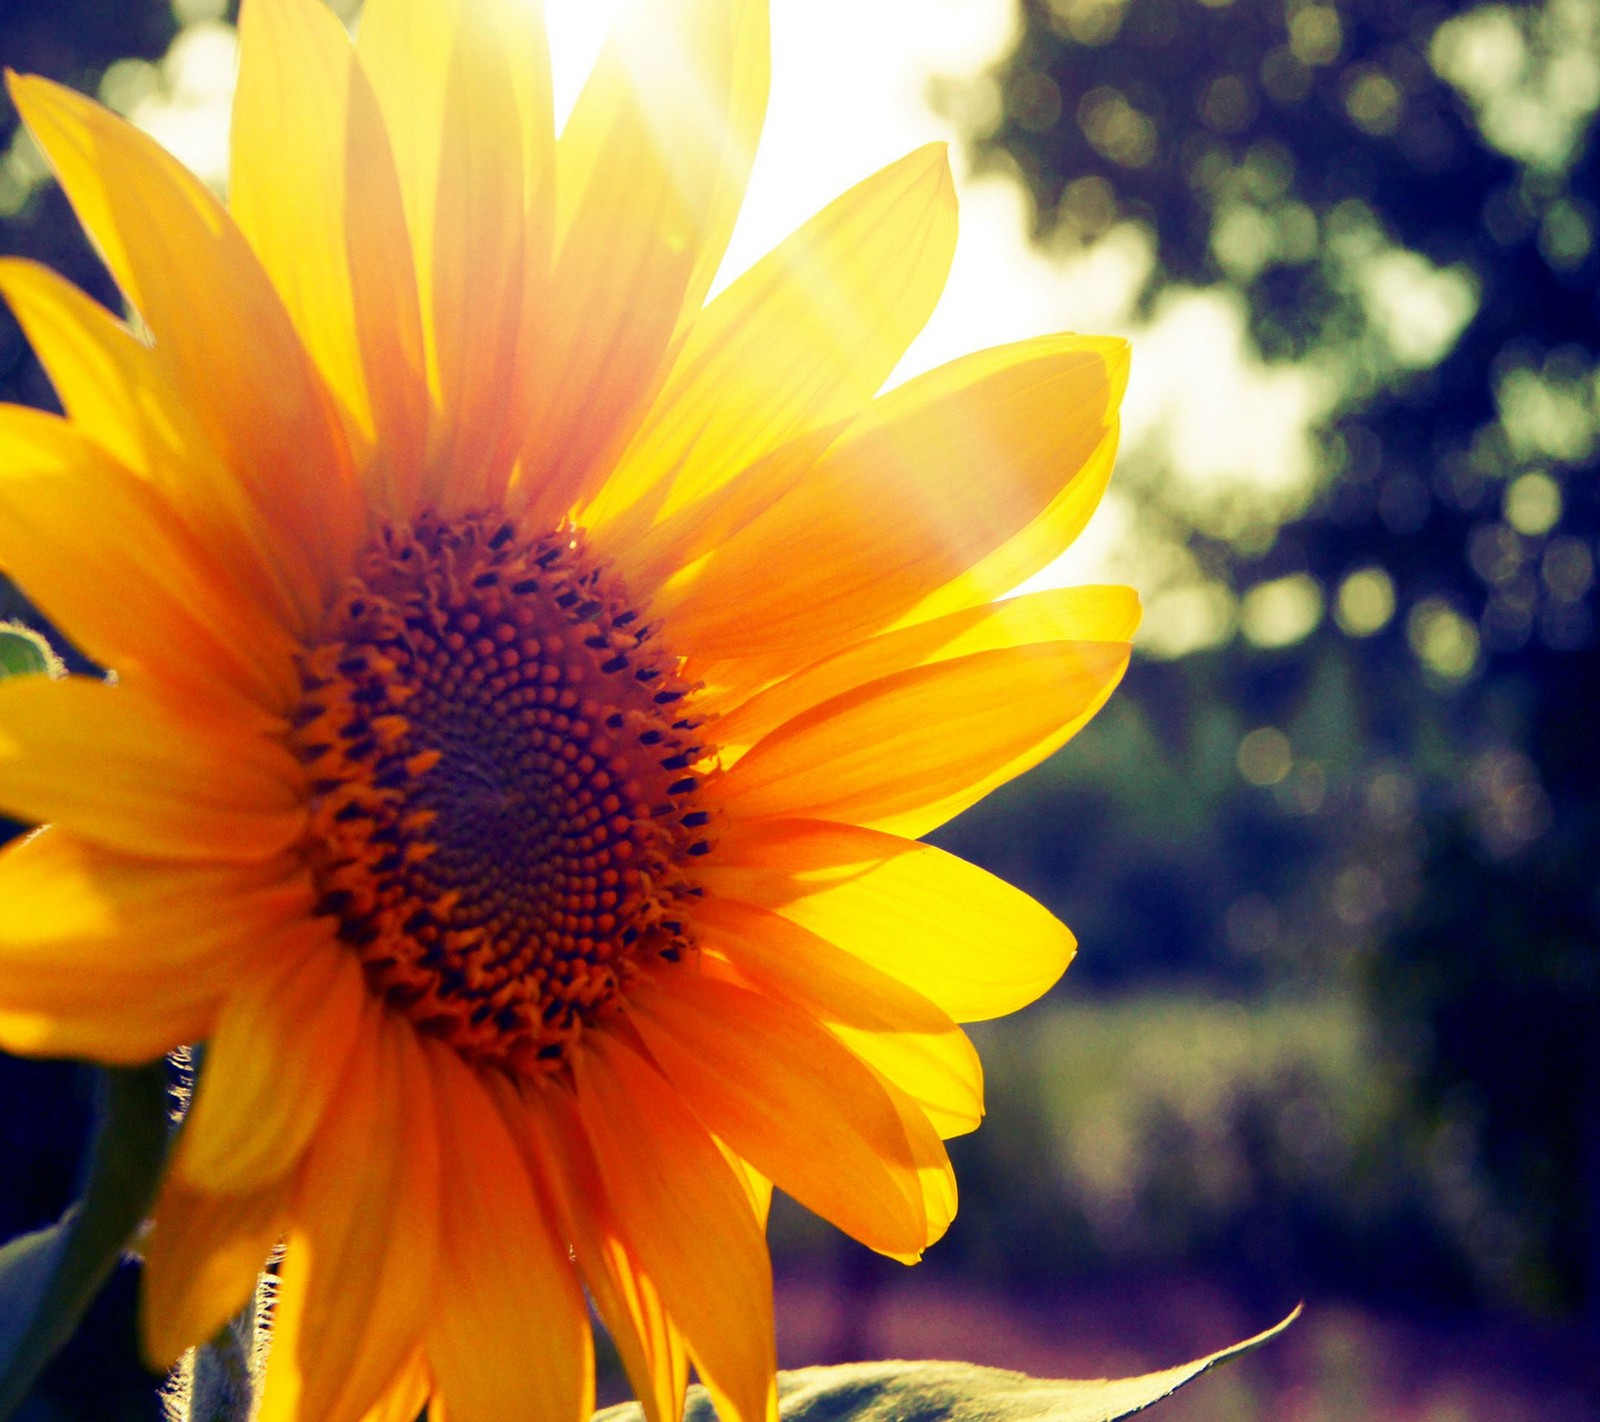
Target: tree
[1405,198]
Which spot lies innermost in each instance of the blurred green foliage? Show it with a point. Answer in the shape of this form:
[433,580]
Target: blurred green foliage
[1393,807]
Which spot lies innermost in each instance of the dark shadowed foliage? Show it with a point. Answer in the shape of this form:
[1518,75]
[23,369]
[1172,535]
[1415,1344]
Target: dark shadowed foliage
[1409,809]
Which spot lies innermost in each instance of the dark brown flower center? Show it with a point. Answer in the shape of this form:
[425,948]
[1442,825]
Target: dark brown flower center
[505,783]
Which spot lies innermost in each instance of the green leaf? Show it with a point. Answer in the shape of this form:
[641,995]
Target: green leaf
[23,652]
[959,1392]
[49,1278]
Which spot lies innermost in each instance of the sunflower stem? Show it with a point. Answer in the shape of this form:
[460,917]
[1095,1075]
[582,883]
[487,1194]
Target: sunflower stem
[223,1385]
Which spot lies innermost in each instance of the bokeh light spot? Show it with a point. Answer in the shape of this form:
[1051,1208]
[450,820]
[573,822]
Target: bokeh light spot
[1227,105]
[1533,504]
[1315,35]
[1116,129]
[1566,235]
[1365,602]
[1374,101]
[1035,101]
[1090,22]
[1444,641]
[1567,569]
[1187,618]
[1282,612]
[1265,756]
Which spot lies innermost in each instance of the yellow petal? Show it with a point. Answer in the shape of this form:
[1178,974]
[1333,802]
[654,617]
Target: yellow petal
[936,1177]
[388,315]
[314,189]
[510,1334]
[105,376]
[909,751]
[757,1188]
[122,397]
[803,339]
[1043,540]
[406,1396]
[121,959]
[675,1202]
[650,558]
[1082,614]
[272,1062]
[99,552]
[464,89]
[111,1035]
[202,1260]
[746,113]
[772,1083]
[934,1180]
[965,940]
[121,770]
[933,478]
[650,171]
[547,1130]
[899,1034]
[357,1283]
[287,181]
[174,252]
[491,235]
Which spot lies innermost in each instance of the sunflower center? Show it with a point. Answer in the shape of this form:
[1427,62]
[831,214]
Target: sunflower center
[505,804]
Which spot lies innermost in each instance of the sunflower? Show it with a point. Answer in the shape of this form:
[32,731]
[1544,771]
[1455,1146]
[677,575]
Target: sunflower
[531,682]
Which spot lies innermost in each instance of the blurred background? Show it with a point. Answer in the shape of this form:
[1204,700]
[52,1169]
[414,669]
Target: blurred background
[1331,852]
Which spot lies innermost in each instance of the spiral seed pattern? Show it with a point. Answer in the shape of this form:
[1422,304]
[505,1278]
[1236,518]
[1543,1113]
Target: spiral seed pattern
[506,810]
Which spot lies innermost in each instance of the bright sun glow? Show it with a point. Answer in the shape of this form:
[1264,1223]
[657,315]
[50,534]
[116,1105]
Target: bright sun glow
[849,95]
[850,89]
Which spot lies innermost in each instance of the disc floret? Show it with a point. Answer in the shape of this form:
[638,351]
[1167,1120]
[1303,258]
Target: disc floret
[506,785]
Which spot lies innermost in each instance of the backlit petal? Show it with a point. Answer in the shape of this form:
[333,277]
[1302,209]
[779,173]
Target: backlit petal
[106,378]
[356,1287]
[965,940]
[124,398]
[676,1203]
[406,1396]
[315,190]
[936,1178]
[650,171]
[547,1130]
[1043,540]
[122,959]
[174,616]
[803,339]
[771,1083]
[757,1188]
[510,1330]
[272,1062]
[202,1260]
[116,767]
[911,750]
[175,251]
[897,1032]
[1081,614]
[287,181]
[934,477]
[464,90]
